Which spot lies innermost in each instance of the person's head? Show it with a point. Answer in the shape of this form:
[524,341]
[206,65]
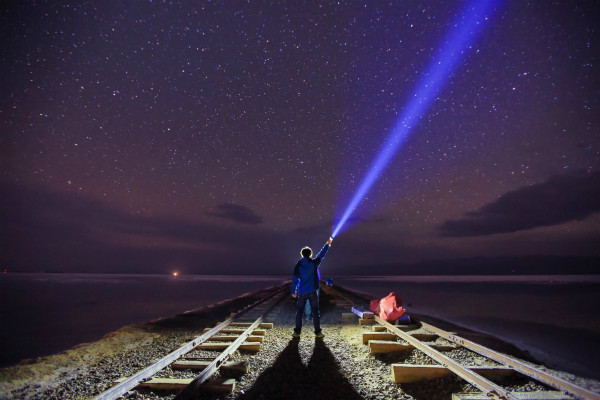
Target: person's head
[306,251]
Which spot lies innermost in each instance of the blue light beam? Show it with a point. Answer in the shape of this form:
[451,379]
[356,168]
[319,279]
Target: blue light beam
[463,33]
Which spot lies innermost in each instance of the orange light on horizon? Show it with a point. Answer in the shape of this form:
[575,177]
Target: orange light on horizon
[175,273]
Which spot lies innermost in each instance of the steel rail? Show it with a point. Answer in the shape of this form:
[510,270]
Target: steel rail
[525,369]
[131,382]
[340,294]
[190,391]
[486,386]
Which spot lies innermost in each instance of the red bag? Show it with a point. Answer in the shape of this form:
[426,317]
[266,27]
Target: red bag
[374,306]
[391,308]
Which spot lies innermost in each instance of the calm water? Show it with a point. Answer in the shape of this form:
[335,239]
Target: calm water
[42,314]
[553,317]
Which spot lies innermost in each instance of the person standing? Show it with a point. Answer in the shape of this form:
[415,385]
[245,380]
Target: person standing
[307,311]
[306,281]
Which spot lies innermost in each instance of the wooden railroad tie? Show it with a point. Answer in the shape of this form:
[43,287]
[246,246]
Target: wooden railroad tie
[217,385]
[176,384]
[260,332]
[234,366]
[404,328]
[232,338]
[248,346]
[366,336]
[443,347]
[549,395]
[407,328]
[424,337]
[386,346]
[405,373]
[265,325]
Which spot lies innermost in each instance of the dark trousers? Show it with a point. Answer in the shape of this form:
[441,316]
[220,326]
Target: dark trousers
[313,299]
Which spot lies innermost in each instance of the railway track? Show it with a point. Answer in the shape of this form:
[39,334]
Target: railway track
[243,330]
[361,357]
[438,345]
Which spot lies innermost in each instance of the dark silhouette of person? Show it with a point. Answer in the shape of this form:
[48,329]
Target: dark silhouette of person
[306,282]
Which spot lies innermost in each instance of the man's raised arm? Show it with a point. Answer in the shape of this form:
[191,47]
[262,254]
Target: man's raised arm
[324,249]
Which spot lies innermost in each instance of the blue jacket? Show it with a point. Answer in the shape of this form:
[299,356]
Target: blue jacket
[306,274]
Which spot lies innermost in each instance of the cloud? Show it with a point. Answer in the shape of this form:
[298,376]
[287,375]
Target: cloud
[236,213]
[560,199]
[47,230]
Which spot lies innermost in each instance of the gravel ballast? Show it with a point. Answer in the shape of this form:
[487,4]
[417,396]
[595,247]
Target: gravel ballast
[337,366]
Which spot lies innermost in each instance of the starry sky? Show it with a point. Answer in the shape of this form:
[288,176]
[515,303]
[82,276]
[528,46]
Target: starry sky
[221,137]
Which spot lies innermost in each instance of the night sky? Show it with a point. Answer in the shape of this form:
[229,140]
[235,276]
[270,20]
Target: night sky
[221,137]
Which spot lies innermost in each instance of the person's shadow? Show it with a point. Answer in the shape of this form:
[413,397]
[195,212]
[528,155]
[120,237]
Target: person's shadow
[289,379]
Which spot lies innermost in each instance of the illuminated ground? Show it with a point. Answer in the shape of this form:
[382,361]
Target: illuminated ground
[338,366]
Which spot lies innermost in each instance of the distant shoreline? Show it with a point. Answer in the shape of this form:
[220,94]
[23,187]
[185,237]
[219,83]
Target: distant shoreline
[494,266]
[515,278]
[121,352]
[287,277]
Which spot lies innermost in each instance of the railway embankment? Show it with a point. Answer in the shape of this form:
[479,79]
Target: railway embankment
[340,365]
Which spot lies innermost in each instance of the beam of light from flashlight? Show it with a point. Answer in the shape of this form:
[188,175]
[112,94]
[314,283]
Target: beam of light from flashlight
[458,40]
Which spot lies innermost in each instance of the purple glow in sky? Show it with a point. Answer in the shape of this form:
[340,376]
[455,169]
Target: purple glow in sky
[220,137]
